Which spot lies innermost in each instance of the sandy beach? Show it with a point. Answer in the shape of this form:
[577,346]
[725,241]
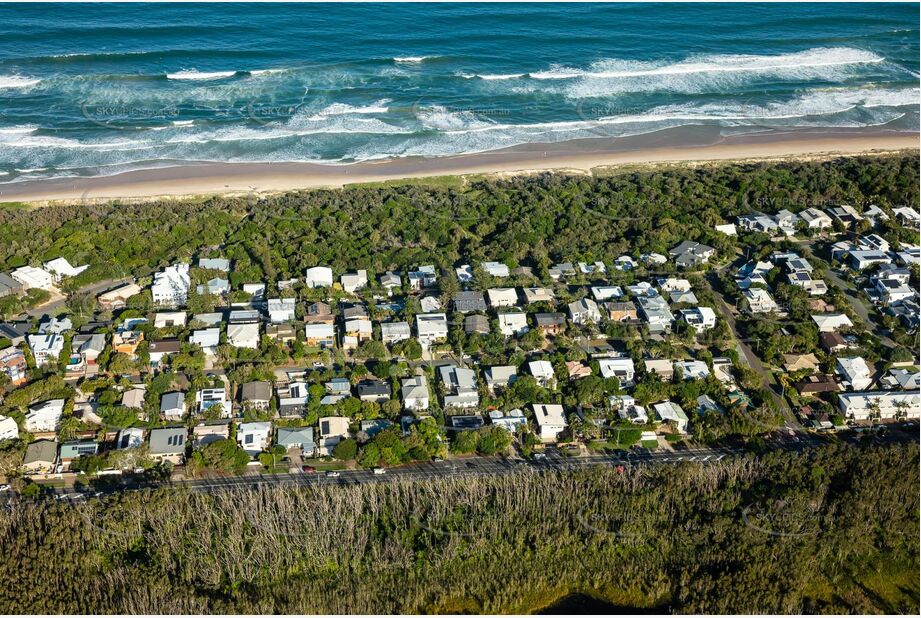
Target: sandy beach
[580,156]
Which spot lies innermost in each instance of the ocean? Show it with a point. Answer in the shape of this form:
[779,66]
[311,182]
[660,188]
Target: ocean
[97,89]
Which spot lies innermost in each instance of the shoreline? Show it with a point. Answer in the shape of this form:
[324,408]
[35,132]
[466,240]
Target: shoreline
[578,156]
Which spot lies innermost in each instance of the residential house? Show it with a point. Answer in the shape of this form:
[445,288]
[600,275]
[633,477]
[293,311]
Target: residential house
[692,369]
[469,301]
[690,254]
[500,376]
[159,350]
[905,378]
[337,389]
[293,398]
[657,314]
[9,429]
[513,324]
[282,333]
[376,391]
[85,351]
[333,429]
[620,368]
[431,327]
[722,369]
[550,323]
[355,331]
[168,444]
[543,373]
[828,322]
[476,323]
[855,373]
[45,348]
[846,214]
[134,397]
[391,281]
[563,270]
[460,387]
[256,395]
[815,219]
[502,297]
[699,318]
[394,332]
[281,310]
[13,365]
[584,311]
[220,264]
[320,335]
[663,368]
[871,405]
[671,412]
[15,331]
[31,277]
[217,286]
[208,398]
[300,438]
[757,222]
[127,342]
[464,273]
[415,393]
[167,319]
[511,421]
[759,301]
[799,362]
[9,286]
[421,278]
[208,339]
[539,295]
[352,282]
[833,342]
[74,450]
[815,384]
[208,319]
[256,291]
[861,260]
[172,406]
[171,286]
[243,335]
[130,437]
[44,417]
[576,370]
[254,437]
[319,277]
[551,421]
[620,311]
[495,269]
[41,457]
[607,292]
[627,409]
[319,313]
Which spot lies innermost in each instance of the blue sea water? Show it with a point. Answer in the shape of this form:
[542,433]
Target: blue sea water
[88,89]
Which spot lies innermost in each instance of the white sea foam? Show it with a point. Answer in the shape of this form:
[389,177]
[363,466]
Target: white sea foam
[501,76]
[194,74]
[411,58]
[343,109]
[17,81]
[21,130]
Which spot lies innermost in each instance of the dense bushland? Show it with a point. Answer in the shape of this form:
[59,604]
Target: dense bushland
[833,529]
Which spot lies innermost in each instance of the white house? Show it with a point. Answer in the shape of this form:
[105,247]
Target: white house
[606,292]
[866,405]
[9,430]
[243,335]
[280,310]
[415,392]
[543,373]
[502,297]
[431,327]
[171,286]
[208,398]
[759,301]
[352,282]
[500,376]
[166,319]
[692,369]
[60,267]
[495,269]
[830,322]
[319,277]
[172,405]
[539,295]
[855,373]
[815,219]
[584,311]
[551,421]
[207,338]
[45,416]
[31,277]
[255,290]
[513,324]
[45,348]
[254,437]
[699,318]
[620,368]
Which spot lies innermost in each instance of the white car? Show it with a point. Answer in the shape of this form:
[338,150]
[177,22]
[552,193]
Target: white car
[379,471]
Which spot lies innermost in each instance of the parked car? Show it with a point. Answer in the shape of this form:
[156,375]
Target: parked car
[379,471]
[309,469]
[332,474]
